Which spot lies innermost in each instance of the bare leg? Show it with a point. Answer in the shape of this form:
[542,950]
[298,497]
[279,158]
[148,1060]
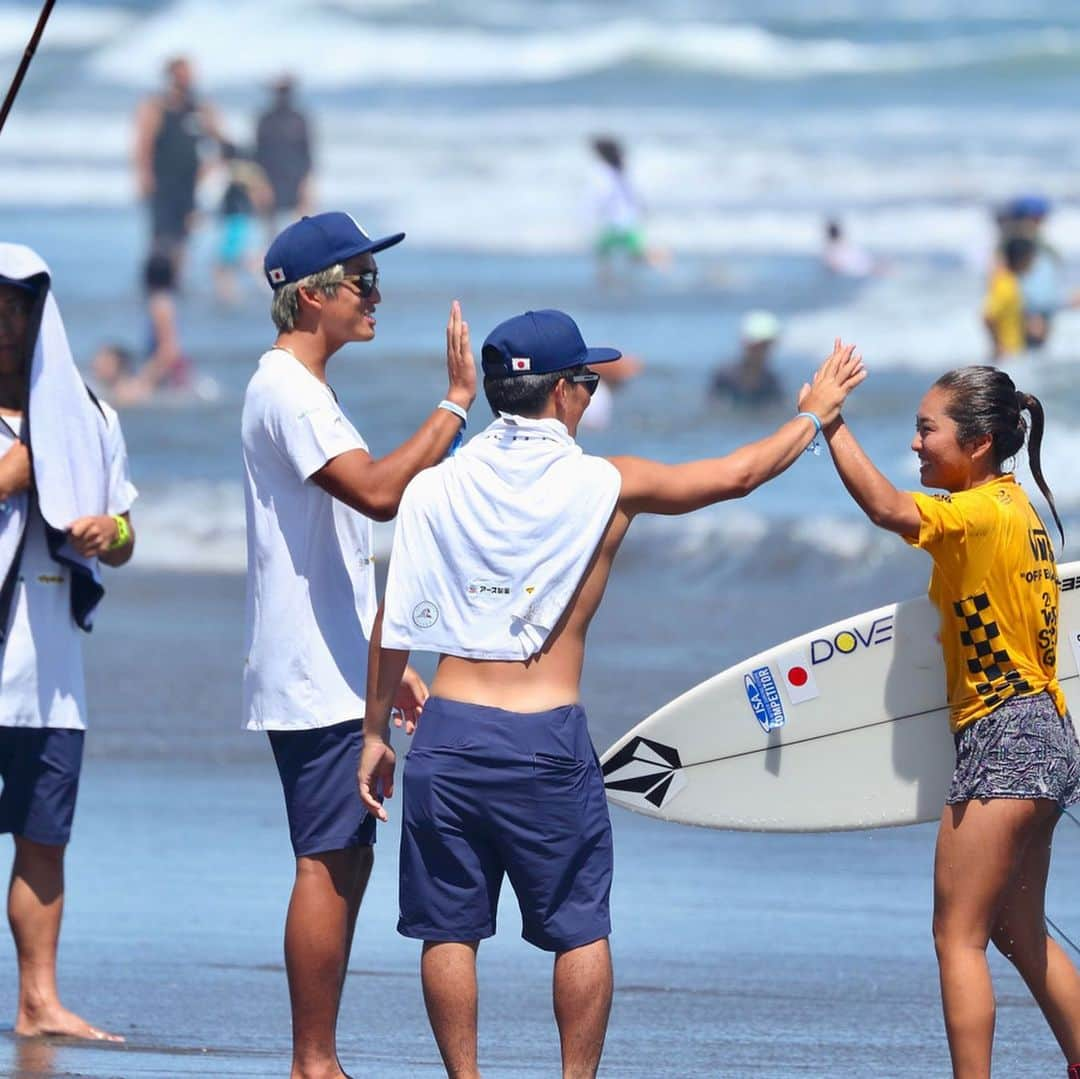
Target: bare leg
[318,936]
[979,851]
[35,907]
[448,974]
[1020,935]
[581,990]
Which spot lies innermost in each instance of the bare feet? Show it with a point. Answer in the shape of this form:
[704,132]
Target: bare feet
[57,1020]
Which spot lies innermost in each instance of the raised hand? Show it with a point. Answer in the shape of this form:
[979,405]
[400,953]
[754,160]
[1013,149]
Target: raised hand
[841,372]
[460,365]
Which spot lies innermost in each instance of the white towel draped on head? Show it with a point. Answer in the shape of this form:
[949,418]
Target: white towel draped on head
[66,433]
[491,545]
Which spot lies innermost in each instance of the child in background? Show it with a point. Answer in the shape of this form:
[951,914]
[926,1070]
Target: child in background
[247,195]
[1003,308]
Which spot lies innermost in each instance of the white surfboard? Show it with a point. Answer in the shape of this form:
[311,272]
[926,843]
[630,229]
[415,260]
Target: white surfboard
[844,727]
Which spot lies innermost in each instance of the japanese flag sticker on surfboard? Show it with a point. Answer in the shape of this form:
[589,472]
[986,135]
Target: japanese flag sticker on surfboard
[798,674]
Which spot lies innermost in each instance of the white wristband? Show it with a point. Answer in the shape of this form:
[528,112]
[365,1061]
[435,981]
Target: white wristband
[457,410]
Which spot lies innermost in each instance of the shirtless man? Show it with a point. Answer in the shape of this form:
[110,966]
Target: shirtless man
[500,560]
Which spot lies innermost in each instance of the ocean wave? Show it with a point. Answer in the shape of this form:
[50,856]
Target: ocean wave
[894,174]
[929,318]
[422,54]
[69,27]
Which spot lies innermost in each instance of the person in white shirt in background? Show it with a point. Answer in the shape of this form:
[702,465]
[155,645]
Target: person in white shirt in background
[617,211]
[65,501]
[844,258]
[312,490]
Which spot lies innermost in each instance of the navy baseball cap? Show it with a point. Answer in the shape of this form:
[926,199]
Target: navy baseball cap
[314,243]
[537,343]
[1028,206]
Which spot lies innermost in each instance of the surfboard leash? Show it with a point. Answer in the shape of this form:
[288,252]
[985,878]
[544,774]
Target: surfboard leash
[1049,921]
[1060,933]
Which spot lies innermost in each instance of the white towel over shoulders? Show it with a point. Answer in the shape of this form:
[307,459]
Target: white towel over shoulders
[68,436]
[491,545]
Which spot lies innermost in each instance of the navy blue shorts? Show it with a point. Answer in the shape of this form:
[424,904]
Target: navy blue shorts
[318,775]
[489,793]
[40,769]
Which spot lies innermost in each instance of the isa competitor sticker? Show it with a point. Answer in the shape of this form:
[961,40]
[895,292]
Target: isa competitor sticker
[764,698]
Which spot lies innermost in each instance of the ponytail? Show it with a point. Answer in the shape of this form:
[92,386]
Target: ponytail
[1033,406]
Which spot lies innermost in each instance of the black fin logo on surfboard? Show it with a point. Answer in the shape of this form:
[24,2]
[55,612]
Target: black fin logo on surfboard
[645,769]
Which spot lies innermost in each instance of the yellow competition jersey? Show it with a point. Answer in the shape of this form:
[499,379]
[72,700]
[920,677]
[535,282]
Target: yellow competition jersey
[995,583]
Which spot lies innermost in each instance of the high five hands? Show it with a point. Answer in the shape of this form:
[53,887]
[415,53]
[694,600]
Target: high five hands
[841,372]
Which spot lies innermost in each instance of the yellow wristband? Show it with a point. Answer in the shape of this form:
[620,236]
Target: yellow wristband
[123,532]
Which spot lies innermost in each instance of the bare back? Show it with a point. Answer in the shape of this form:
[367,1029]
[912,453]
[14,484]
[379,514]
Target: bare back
[552,677]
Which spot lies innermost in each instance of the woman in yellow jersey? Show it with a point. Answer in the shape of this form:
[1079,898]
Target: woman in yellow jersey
[995,584]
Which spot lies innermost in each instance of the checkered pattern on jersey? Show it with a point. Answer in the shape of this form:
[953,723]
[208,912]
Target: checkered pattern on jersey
[986,656]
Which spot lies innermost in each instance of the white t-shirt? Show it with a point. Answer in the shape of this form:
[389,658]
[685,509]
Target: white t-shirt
[310,573]
[612,199]
[41,667]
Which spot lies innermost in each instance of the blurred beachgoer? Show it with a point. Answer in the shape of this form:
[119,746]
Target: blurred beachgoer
[247,193]
[171,129]
[1043,284]
[166,366]
[1003,307]
[617,212]
[500,560]
[312,490]
[283,151]
[614,375]
[750,380]
[114,378]
[1017,760]
[66,509]
[844,258]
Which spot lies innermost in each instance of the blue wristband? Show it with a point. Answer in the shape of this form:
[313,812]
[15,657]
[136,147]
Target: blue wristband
[461,414]
[813,448]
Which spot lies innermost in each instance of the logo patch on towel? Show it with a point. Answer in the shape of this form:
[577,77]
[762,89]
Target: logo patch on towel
[425,614]
[484,592]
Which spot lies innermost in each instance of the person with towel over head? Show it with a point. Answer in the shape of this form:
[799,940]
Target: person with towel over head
[65,502]
[500,559]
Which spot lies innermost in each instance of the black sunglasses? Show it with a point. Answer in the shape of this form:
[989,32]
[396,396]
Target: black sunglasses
[589,379]
[367,282]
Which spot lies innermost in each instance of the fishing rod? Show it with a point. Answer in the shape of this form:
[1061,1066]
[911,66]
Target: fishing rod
[24,66]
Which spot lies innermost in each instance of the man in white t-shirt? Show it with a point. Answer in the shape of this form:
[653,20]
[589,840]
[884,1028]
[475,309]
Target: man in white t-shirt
[48,594]
[312,490]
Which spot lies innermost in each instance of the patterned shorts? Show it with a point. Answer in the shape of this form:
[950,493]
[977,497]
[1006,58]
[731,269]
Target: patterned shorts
[1022,749]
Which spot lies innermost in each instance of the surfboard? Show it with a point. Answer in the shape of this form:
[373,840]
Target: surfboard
[844,727]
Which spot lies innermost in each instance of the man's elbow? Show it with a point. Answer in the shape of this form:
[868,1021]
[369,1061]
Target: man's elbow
[379,507]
